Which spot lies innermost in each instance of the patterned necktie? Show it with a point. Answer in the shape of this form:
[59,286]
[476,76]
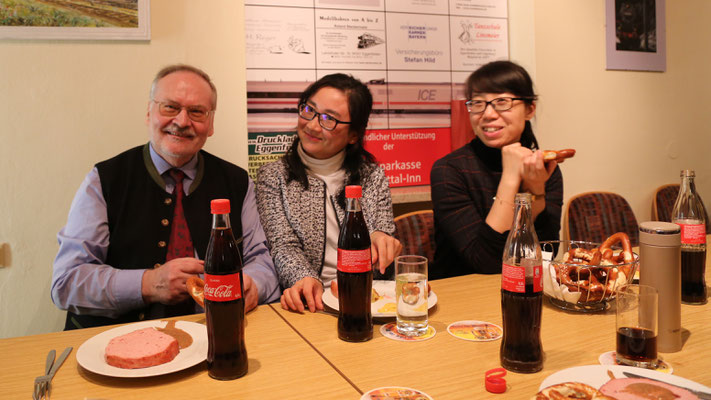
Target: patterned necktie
[180,244]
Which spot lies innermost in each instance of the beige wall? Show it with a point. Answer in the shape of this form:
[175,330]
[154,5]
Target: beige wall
[66,105]
[634,131]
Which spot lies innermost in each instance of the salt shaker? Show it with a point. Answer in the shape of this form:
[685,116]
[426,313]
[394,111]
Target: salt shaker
[660,267]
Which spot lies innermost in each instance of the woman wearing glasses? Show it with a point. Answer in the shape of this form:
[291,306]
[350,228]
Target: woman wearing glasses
[301,197]
[473,188]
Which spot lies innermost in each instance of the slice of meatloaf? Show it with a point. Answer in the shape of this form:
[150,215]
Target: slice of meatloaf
[640,388]
[140,349]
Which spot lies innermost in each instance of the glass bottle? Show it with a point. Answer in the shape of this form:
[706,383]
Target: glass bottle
[224,298]
[689,214]
[522,293]
[355,272]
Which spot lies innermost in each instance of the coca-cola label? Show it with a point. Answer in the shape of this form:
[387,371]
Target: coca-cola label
[222,287]
[354,260]
[513,278]
[693,233]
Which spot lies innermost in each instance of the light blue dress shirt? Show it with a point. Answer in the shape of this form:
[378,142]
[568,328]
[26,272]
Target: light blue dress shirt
[83,284]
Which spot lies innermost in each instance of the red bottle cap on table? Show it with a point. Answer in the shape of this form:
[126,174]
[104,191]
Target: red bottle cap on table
[494,380]
[220,206]
[353,191]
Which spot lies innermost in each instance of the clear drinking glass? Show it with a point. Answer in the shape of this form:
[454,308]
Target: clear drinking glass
[411,294]
[637,326]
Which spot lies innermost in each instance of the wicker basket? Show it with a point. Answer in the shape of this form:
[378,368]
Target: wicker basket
[567,284]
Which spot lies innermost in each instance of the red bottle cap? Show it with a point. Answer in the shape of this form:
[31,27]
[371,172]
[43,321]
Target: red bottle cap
[354,191]
[220,206]
[494,380]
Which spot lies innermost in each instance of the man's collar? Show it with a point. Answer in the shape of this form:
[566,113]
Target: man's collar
[190,168]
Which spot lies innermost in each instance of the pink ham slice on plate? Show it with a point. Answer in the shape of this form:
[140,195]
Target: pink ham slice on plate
[140,349]
[640,388]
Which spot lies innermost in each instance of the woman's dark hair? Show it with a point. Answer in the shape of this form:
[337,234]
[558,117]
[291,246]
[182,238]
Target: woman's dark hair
[360,104]
[504,77]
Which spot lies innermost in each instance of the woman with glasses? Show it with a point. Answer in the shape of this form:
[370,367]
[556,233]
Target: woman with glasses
[301,197]
[473,188]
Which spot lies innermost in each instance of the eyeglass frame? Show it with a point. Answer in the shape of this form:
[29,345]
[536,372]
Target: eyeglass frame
[468,103]
[180,108]
[320,120]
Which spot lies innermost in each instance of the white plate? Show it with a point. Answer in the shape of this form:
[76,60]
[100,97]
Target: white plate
[91,353]
[386,289]
[596,376]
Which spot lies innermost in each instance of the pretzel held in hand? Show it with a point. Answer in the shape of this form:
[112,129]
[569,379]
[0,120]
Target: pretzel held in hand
[196,288]
[557,155]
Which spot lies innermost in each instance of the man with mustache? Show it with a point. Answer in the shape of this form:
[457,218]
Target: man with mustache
[120,259]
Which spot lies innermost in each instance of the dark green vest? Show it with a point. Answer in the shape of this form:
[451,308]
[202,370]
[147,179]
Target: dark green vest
[140,212]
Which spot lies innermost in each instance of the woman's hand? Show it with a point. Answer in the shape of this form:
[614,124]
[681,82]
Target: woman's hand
[512,161]
[310,289]
[535,172]
[384,248]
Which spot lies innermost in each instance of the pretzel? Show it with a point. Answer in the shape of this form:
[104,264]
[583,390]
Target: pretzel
[594,272]
[196,287]
[557,155]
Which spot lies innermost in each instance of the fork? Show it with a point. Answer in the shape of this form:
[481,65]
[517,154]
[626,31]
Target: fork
[44,380]
[38,387]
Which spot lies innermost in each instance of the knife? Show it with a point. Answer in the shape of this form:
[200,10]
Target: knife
[59,362]
[700,394]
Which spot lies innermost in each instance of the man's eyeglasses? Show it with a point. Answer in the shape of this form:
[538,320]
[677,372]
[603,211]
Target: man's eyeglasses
[498,104]
[326,121]
[170,109]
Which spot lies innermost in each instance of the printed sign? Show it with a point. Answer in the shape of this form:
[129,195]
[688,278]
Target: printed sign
[407,155]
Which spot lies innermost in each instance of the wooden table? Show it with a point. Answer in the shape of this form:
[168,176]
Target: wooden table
[449,368]
[281,366]
[295,356]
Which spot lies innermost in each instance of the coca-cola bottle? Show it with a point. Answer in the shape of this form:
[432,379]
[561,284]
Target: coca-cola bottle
[522,293]
[689,214]
[355,273]
[224,298]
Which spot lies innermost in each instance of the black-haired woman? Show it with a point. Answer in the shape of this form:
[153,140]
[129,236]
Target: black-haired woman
[473,188]
[301,197]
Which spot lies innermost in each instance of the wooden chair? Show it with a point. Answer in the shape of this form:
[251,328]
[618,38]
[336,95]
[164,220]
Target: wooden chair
[415,230]
[663,204]
[595,216]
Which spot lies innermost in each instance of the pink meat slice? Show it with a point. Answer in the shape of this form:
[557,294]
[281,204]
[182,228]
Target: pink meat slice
[640,388]
[140,349]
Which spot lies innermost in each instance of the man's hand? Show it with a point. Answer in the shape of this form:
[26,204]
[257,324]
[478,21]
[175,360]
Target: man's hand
[384,248]
[251,293]
[310,288]
[166,284]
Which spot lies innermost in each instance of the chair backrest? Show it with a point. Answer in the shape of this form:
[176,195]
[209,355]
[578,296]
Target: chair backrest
[595,216]
[663,204]
[415,230]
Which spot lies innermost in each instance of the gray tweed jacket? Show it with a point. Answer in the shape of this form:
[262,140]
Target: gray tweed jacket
[294,219]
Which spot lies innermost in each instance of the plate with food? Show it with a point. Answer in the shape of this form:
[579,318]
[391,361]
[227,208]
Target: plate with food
[382,299]
[618,382]
[148,348]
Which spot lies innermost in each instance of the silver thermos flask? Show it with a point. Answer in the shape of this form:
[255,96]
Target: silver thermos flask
[660,267]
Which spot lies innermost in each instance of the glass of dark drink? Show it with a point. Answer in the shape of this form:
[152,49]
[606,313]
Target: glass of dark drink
[636,325]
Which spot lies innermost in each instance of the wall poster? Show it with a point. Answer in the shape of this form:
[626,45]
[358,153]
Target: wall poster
[635,35]
[414,55]
[75,19]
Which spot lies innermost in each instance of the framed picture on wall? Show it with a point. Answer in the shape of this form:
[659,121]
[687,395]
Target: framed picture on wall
[635,35]
[75,19]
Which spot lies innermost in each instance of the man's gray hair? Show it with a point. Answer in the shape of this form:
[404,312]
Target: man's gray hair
[188,68]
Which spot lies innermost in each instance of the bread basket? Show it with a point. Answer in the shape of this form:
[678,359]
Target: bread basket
[567,284]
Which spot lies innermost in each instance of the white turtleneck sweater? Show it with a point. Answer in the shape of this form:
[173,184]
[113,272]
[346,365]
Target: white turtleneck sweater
[328,170]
